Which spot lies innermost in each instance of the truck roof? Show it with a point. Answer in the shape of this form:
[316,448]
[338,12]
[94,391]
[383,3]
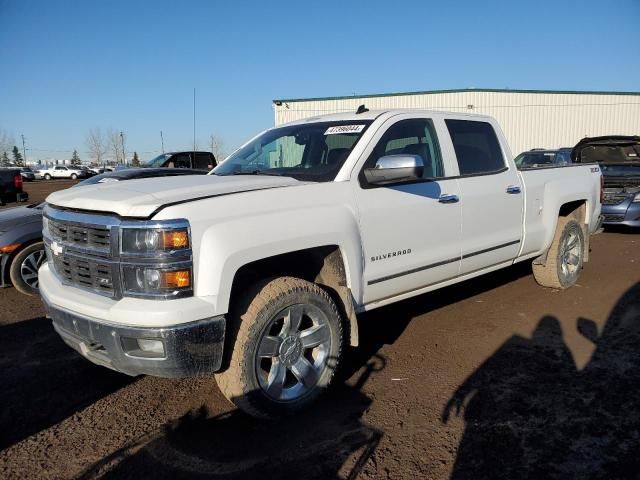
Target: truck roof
[373,114]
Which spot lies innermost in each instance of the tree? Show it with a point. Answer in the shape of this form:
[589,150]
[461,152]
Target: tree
[115,140]
[17,157]
[136,160]
[6,140]
[96,145]
[75,158]
[4,160]
[216,146]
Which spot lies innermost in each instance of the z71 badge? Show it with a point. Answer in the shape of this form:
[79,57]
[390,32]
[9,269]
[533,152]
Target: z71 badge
[385,256]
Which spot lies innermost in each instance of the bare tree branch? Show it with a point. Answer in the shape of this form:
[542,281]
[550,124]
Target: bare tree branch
[114,145]
[216,146]
[96,144]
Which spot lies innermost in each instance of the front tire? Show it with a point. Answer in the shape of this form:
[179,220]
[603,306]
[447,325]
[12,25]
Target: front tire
[74,176]
[47,177]
[24,268]
[565,256]
[287,348]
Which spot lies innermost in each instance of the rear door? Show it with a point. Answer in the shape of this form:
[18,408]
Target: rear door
[491,196]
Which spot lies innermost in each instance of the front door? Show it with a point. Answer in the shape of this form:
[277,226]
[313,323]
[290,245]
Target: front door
[410,235]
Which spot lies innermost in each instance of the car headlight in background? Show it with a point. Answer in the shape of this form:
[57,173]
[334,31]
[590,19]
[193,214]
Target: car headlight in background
[636,199]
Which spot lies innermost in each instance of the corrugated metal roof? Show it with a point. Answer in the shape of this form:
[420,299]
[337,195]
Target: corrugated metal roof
[458,90]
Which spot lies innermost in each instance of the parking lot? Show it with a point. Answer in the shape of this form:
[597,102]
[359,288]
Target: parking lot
[496,368]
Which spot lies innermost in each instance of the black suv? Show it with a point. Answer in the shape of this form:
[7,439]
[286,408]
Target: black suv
[194,160]
[540,157]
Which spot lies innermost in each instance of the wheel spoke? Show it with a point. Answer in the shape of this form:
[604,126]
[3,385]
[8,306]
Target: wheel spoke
[29,276]
[269,347]
[573,260]
[572,242]
[304,372]
[275,382]
[292,320]
[314,336]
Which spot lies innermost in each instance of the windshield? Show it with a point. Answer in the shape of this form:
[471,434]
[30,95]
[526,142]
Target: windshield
[157,162]
[620,170]
[311,151]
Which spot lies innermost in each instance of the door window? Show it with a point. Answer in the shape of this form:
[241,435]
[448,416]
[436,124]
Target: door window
[182,160]
[411,137]
[476,146]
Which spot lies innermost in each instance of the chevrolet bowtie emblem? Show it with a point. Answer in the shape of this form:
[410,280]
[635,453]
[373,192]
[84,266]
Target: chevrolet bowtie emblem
[56,249]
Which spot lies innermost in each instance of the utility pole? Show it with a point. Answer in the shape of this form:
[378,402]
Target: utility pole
[162,141]
[194,121]
[124,155]
[24,151]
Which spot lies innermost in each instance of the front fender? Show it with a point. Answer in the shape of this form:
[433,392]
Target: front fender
[226,247]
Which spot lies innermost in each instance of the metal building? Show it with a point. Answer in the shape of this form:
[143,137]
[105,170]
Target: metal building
[529,118]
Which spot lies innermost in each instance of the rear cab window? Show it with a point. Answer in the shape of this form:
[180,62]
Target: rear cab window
[476,145]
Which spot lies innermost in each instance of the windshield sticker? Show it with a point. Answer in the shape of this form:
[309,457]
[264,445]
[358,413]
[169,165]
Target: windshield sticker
[344,129]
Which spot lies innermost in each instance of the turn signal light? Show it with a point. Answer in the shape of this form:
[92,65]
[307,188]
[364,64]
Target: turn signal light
[175,239]
[175,279]
[9,248]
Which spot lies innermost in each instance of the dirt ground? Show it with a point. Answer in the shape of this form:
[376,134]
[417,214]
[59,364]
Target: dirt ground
[492,378]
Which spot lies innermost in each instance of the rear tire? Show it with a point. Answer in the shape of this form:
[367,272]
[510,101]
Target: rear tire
[564,258]
[287,348]
[24,266]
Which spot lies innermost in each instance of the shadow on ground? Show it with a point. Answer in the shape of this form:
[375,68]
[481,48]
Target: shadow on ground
[44,381]
[530,413]
[327,441]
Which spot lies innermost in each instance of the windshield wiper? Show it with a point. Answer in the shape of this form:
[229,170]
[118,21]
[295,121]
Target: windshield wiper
[257,172]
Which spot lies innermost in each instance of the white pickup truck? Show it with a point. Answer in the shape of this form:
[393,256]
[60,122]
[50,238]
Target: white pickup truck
[60,171]
[259,270]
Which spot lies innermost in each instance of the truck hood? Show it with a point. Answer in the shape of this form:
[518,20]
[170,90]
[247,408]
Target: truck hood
[141,198]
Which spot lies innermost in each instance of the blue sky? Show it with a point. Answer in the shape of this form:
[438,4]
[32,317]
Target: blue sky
[69,66]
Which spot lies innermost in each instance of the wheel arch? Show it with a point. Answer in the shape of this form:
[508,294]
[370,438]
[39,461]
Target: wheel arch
[325,265]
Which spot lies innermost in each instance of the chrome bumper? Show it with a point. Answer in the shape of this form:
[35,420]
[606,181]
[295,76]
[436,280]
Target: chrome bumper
[187,350]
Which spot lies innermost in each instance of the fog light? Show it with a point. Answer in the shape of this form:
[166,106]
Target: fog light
[151,346]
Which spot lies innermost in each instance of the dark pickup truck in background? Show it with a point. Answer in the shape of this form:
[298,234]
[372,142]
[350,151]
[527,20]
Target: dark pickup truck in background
[619,159]
[11,186]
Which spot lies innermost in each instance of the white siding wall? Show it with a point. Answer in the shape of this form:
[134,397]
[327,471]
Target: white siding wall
[529,120]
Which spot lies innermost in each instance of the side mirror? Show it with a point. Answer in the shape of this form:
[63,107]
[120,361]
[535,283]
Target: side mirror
[395,168]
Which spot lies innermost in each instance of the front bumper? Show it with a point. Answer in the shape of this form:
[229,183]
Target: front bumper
[188,349]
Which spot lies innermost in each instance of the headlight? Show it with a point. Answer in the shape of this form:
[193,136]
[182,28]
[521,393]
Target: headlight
[145,241]
[156,259]
[636,199]
[151,281]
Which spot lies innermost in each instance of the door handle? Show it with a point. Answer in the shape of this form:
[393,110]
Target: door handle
[448,198]
[513,189]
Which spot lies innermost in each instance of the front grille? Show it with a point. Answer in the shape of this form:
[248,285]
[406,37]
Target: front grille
[80,249]
[614,199]
[88,273]
[81,235]
[614,218]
